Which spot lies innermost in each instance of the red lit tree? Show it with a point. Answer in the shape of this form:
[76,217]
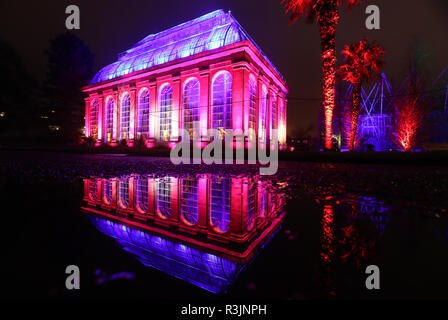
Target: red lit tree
[362,62]
[410,108]
[327,14]
[408,120]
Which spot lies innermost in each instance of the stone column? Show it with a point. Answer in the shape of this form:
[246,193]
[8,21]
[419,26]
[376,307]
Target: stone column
[246,101]
[203,193]
[152,184]
[204,103]
[237,218]
[87,117]
[100,117]
[260,102]
[175,201]
[175,110]
[238,98]
[270,115]
[152,110]
[116,126]
[132,115]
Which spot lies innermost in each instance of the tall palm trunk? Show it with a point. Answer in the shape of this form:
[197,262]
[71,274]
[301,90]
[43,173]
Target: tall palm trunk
[356,109]
[327,28]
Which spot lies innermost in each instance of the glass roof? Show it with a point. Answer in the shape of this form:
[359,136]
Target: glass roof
[205,270]
[213,30]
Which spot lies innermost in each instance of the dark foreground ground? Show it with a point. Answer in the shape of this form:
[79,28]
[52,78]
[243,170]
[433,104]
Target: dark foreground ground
[340,219]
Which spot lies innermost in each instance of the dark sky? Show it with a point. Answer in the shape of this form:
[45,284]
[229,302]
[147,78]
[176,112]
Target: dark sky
[112,26]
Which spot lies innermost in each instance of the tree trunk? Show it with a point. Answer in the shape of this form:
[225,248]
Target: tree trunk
[356,109]
[327,24]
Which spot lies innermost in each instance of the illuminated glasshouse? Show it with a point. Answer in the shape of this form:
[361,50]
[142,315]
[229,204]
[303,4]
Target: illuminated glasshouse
[208,72]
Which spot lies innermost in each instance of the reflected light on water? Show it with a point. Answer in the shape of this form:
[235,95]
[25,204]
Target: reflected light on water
[203,229]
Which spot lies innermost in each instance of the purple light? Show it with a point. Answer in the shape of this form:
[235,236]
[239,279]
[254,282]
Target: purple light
[211,31]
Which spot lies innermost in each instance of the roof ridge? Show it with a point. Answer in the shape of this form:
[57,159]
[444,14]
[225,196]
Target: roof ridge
[184,25]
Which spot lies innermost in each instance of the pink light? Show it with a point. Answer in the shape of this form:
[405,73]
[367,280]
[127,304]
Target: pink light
[150,144]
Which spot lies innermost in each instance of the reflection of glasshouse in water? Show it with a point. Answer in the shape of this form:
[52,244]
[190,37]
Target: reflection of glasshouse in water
[201,229]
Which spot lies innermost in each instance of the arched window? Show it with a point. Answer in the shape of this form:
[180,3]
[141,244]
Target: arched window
[163,203]
[107,191]
[125,111]
[143,115]
[252,101]
[263,114]
[109,119]
[189,207]
[166,102]
[94,109]
[142,200]
[220,204]
[93,190]
[123,192]
[191,104]
[222,101]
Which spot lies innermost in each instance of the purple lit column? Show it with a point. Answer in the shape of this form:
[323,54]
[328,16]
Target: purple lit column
[175,121]
[132,115]
[100,117]
[87,117]
[204,102]
[152,110]
[238,98]
[116,116]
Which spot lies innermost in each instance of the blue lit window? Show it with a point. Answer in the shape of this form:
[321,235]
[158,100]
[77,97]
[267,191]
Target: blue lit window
[191,104]
[163,203]
[123,192]
[220,203]
[94,109]
[142,194]
[222,101]
[109,119]
[252,101]
[107,191]
[143,115]
[166,102]
[189,205]
[125,111]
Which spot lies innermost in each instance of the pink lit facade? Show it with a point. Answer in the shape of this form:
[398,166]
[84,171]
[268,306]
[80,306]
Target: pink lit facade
[206,71]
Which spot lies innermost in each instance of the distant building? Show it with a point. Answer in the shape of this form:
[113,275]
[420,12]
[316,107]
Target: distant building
[207,70]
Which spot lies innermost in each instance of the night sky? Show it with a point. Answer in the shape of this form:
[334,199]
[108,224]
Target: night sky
[110,27]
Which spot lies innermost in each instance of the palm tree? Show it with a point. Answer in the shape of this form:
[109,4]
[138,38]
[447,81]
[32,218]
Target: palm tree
[326,12]
[362,62]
